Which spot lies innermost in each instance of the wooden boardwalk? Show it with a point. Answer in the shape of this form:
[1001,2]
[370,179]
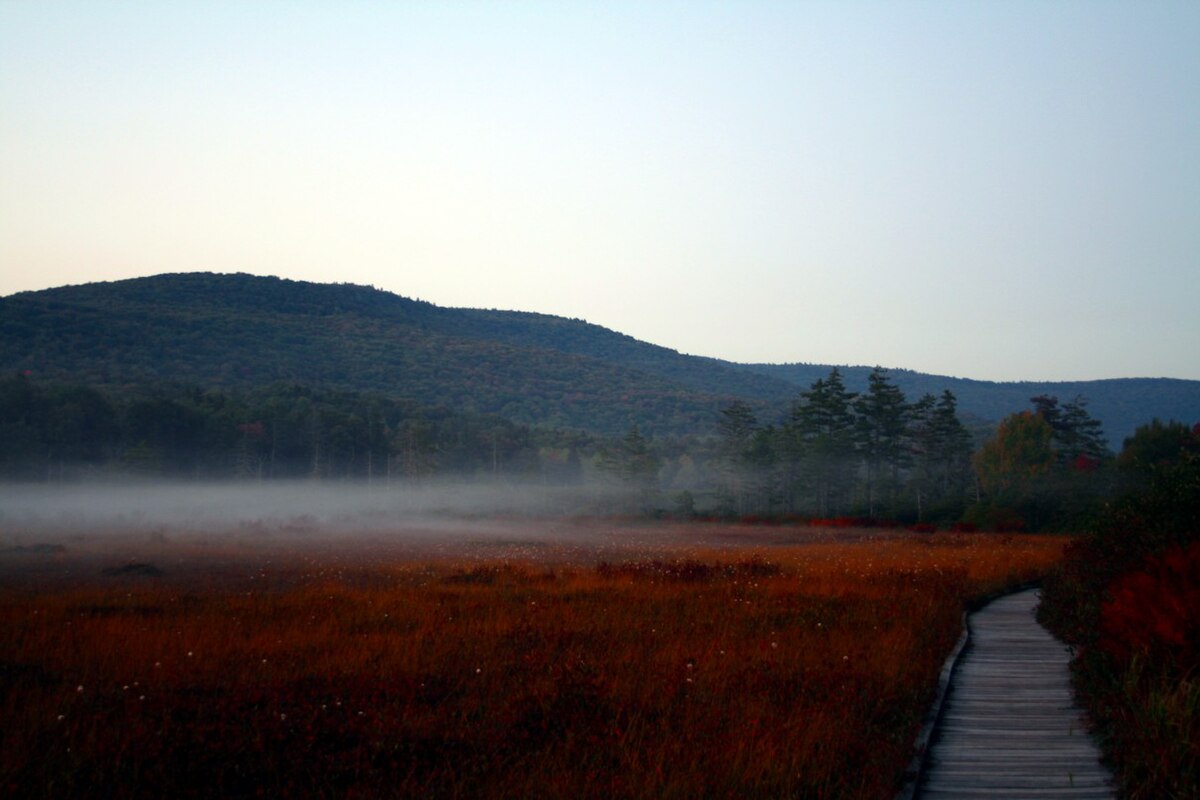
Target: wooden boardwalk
[1009,727]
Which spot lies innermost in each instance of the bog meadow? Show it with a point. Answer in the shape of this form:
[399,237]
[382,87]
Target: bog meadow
[584,658]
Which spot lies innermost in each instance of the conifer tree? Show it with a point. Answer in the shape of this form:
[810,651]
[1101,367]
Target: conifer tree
[1076,433]
[1083,434]
[635,464]
[951,451]
[882,426]
[822,439]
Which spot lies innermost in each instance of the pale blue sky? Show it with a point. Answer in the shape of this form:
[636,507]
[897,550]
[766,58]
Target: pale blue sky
[997,190]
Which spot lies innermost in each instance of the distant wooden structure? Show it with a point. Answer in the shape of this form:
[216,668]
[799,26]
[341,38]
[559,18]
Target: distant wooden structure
[1009,726]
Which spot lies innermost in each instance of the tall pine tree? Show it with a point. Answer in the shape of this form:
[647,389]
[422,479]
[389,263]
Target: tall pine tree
[822,438]
[881,432]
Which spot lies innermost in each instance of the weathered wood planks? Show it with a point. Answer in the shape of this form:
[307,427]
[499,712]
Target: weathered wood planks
[1009,727]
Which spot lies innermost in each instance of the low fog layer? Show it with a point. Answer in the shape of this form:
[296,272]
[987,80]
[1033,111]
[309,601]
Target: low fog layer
[288,506]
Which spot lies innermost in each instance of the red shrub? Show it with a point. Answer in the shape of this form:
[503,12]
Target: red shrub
[832,522]
[1006,520]
[1156,609]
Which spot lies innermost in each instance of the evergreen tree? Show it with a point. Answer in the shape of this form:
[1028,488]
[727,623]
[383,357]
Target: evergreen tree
[943,455]
[882,430]
[1046,407]
[1076,433]
[923,446]
[768,484]
[822,441]
[635,464]
[1083,435]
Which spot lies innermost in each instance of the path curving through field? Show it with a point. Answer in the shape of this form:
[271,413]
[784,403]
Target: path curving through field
[1009,727]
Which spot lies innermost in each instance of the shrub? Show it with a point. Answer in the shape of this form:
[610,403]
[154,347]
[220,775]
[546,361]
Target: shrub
[1154,612]
[1128,598]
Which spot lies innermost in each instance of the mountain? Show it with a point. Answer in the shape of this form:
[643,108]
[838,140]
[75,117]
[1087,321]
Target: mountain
[243,331]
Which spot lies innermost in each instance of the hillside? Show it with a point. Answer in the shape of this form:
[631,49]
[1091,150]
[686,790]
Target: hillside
[240,330]
[244,331]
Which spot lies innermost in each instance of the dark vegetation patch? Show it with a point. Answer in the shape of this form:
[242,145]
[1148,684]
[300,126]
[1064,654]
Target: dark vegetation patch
[41,549]
[689,570]
[133,568]
[489,575]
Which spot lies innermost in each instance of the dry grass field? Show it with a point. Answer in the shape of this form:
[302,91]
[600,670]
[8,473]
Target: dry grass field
[581,659]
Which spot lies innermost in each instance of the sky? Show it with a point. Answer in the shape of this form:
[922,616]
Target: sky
[1001,190]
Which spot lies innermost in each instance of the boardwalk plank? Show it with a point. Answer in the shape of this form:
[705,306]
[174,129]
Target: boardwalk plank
[1009,728]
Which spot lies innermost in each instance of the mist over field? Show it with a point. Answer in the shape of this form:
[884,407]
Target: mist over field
[299,507]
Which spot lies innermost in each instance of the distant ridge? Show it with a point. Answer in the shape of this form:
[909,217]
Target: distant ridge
[234,330]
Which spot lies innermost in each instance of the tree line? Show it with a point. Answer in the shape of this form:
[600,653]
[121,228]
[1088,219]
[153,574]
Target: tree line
[877,455]
[284,431]
[837,452]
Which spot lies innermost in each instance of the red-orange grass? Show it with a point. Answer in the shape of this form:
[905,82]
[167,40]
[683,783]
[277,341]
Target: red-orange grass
[797,671]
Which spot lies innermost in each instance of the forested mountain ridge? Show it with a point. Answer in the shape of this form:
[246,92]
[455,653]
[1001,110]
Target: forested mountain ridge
[242,331]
